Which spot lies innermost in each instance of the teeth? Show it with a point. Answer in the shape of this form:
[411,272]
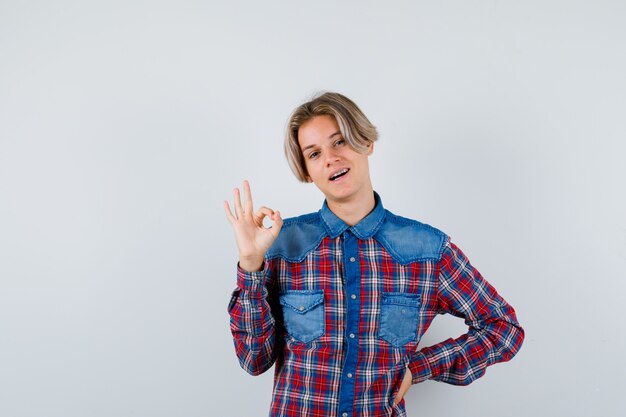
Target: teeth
[343,171]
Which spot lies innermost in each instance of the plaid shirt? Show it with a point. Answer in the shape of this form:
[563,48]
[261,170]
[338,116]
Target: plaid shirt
[341,310]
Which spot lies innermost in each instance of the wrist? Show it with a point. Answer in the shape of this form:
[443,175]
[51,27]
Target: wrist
[419,367]
[253,264]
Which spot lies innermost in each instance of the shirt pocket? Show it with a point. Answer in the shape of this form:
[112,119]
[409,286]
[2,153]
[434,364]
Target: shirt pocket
[399,315]
[303,314]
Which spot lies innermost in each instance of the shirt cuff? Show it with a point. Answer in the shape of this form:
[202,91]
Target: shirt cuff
[420,369]
[251,281]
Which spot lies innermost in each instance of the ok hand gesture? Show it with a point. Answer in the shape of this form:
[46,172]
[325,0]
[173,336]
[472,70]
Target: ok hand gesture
[253,239]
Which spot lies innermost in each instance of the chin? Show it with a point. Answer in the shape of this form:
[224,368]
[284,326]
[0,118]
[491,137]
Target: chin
[339,196]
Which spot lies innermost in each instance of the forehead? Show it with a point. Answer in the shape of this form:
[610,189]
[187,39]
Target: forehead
[317,130]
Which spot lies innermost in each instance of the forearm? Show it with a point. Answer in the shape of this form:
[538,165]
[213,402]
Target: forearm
[464,359]
[252,323]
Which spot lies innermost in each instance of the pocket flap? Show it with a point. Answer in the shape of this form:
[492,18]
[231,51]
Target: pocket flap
[302,301]
[401,299]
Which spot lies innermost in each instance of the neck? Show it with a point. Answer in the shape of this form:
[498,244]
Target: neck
[353,210]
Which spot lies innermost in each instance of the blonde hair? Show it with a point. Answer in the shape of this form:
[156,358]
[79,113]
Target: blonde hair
[355,128]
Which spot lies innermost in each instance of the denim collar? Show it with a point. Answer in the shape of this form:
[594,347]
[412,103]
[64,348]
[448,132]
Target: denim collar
[364,229]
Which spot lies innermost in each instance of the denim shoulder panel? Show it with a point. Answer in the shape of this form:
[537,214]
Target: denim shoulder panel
[298,236]
[408,240]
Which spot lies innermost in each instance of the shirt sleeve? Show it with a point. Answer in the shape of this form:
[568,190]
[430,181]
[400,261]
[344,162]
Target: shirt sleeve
[494,333]
[252,322]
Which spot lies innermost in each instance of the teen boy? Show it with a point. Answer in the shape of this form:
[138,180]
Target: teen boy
[340,298]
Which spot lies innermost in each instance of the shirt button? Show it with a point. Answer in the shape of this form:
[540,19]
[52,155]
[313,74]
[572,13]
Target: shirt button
[301,308]
[349,375]
[352,259]
[353,296]
[351,335]
[344,415]
[257,281]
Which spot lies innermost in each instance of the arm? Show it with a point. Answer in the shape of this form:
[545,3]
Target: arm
[494,333]
[252,322]
[251,319]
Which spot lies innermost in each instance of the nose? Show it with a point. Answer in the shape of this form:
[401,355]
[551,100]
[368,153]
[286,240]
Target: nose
[332,156]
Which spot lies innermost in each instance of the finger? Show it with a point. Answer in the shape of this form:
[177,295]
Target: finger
[229,214]
[238,208]
[261,214]
[278,223]
[247,197]
[400,394]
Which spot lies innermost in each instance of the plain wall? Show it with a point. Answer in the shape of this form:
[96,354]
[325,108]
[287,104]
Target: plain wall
[125,124]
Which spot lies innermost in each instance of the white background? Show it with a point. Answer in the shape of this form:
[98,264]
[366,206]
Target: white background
[125,124]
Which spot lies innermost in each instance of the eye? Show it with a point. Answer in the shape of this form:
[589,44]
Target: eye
[313,155]
[340,142]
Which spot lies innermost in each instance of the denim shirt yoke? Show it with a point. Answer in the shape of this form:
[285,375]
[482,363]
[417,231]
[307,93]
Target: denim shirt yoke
[406,240]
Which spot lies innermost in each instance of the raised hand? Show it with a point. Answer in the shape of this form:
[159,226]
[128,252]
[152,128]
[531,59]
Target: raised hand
[253,239]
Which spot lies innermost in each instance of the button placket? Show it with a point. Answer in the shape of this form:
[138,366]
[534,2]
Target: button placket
[352,282]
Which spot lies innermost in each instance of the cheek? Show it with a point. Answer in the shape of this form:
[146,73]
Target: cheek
[311,168]
[315,174]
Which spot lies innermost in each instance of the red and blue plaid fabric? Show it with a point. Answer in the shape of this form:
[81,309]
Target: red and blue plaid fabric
[343,323]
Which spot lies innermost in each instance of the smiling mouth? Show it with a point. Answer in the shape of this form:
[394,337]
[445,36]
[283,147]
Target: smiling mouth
[339,174]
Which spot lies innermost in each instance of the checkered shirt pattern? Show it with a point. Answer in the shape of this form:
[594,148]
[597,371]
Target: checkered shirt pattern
[308,376]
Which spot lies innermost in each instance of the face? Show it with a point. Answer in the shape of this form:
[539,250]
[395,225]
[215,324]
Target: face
[340,172]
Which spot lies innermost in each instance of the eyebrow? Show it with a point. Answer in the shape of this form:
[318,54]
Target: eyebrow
[314,145]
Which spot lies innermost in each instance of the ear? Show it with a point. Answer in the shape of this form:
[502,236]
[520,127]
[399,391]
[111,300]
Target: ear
[370,145]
